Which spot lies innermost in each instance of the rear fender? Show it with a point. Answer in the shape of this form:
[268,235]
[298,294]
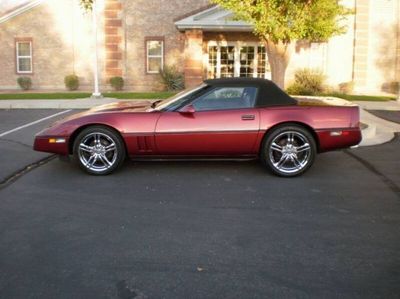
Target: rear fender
[319,120]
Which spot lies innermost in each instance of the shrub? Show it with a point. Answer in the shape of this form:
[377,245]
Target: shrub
[307,82]
[172,79]
[71,82]
[346,87]
[295,89]
[391,87]
[24,82]
[117,83]
[394,87]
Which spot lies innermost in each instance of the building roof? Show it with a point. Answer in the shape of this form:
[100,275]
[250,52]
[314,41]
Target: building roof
[213,18]
[13,8]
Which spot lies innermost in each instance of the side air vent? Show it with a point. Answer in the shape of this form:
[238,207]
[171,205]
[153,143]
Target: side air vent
[145,144]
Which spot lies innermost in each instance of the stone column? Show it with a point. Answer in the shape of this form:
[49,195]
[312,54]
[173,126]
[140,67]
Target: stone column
[361,35]
[113,39]
[193,57]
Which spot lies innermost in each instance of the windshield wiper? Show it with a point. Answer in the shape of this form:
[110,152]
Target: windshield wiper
[154,104]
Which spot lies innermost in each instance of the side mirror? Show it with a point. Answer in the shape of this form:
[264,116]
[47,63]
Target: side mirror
[188,109]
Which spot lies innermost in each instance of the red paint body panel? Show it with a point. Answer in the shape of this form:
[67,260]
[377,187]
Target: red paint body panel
[327,118]
[208,132]
[348,138]
[149,132]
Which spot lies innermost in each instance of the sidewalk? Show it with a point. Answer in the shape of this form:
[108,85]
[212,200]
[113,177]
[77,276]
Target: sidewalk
[378,131]
[56,104]
[390,105]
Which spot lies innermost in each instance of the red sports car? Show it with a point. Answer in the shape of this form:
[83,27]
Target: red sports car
[232,118]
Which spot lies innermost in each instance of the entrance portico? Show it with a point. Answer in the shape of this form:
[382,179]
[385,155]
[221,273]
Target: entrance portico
[217,46]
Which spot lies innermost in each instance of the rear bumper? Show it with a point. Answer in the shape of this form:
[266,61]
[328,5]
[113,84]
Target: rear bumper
[331,139]
[42,144]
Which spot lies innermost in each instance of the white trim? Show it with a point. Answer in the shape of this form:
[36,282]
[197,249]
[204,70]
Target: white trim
[236,62]
[213,19]
[20,10]
[206,13]
[219,28]
[154,56]
[255,67]
[24,56]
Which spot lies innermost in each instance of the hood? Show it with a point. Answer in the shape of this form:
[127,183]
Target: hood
[126,106]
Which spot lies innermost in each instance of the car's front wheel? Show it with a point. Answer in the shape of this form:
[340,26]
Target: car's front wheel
[289,150]
[99,150]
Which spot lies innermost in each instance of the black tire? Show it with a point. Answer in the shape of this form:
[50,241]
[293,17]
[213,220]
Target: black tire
[288,150]
[99,150]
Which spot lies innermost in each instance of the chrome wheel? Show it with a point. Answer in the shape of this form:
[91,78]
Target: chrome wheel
[97,152]
[290,152]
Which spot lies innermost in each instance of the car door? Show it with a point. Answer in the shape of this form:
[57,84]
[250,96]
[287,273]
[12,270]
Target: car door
[221,122]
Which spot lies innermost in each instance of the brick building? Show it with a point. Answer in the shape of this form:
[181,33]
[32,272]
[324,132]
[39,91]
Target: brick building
[48,40]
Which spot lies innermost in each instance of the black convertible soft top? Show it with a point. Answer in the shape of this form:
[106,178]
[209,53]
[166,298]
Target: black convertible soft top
[269,94]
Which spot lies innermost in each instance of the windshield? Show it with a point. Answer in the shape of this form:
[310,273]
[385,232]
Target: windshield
[181,96]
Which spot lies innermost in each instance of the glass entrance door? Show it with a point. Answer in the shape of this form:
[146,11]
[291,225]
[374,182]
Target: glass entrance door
[237,60]
[247,61]
[227,64]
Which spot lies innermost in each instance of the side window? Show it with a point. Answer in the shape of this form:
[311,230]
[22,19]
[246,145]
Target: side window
[154,55]
[221,98]
[24,57]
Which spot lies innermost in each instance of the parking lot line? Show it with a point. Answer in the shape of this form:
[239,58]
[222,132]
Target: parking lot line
[33,123]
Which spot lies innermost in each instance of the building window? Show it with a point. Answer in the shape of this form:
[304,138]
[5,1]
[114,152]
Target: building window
[155,56]
[237,60]
[24,57]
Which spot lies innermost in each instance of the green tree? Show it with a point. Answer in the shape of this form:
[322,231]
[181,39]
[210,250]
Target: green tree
[280,23]
[86,4]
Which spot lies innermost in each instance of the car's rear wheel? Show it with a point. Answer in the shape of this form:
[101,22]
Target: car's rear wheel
[289,150]
[99,150]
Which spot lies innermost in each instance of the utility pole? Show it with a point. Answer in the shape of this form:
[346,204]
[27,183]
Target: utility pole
[398,52]
[96,93]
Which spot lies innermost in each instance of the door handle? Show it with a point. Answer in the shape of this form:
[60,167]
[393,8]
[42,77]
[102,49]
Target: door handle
[248,117]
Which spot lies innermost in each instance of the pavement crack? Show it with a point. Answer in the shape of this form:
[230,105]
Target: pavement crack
[125,292]
[17,142]
[387,181]
[23,171]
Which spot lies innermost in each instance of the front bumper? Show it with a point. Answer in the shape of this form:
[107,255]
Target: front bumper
[46,144]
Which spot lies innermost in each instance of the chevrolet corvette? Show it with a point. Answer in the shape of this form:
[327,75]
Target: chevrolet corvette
[233,118]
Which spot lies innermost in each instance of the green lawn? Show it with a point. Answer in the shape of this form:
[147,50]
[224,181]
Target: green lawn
[139,95]
[45,96]
[80,95]
[351,97]
[150,95]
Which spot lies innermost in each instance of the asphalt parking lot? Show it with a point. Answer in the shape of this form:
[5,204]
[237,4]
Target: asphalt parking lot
[196,229]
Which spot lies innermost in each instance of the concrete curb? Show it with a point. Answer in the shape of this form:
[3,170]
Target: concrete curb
[379,130]
[388,105]
[56,104]
[369,131]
